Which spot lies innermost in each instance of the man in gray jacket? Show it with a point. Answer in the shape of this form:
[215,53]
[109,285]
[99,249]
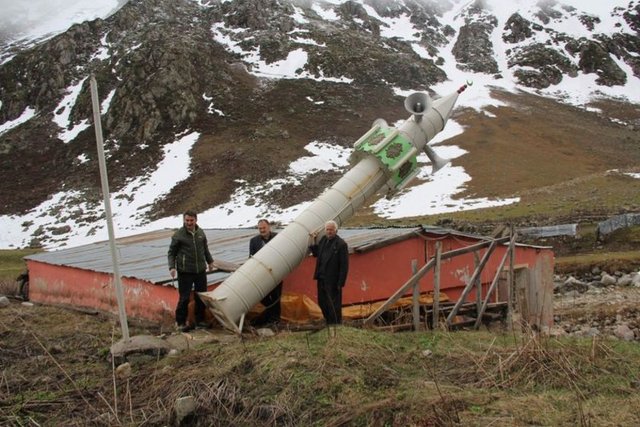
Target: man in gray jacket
[189,258]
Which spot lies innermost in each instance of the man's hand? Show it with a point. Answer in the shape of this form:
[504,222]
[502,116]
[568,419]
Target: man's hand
[210,266]
[172,272]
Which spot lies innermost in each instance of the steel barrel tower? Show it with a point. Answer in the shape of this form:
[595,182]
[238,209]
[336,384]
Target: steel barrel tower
[384,161]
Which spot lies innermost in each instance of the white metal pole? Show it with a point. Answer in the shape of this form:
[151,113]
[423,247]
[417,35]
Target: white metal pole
[107,209]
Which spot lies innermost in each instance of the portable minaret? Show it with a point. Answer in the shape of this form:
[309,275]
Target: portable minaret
[384,162]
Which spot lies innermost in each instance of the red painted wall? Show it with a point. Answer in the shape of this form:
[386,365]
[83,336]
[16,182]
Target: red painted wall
[373,275]
[53,284]
[377,274]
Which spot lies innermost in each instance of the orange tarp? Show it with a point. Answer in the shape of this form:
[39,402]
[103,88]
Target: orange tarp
[300,309]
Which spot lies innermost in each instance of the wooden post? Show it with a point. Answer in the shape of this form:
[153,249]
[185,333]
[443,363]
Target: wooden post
[104,179]
[469,285]
[423,270]
[436,287]
[523,302]
[512,287]
[495,281]
[416,297]
[478,284]
[396,296]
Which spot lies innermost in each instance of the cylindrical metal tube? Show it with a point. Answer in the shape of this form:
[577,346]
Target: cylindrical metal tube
[387,162]
[262,272]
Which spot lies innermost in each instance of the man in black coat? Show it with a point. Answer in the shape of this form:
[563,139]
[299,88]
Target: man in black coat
[332,266]
[272,300]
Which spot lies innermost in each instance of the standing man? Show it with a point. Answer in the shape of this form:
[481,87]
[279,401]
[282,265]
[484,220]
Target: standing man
[272,300]
[190,258]
[332,266]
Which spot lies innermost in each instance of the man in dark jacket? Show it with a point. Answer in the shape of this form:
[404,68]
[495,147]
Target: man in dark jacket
[332,266]
[190,258]
[272,300]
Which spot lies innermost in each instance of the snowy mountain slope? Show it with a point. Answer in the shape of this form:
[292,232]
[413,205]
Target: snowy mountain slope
[185,85]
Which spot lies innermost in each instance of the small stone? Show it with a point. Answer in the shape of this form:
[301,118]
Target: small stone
[184,407]
[623,332]
[608,280]
[625,280]
[265,332]
[123,370]
[589,332]
[556,331]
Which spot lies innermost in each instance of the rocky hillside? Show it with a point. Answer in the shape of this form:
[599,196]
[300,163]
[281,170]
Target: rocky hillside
[166,68]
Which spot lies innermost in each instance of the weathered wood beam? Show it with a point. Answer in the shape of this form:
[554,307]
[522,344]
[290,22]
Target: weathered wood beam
[401,291]
[424,270]
[471,282]
[436,286]
[494,283]
[416,297]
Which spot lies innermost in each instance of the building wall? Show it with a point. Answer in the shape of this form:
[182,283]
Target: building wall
[373,276]
[52,284]
[377,274]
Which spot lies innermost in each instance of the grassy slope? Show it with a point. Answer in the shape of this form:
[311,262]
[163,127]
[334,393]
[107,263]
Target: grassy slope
[11,265]
[359,378]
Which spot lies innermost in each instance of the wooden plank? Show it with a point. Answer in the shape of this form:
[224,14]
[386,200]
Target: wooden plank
[495,281]
[436,286]
[416,297]
[512,287]
[467,288]
[401,291]
[429,265]
[472,248]
[478,284]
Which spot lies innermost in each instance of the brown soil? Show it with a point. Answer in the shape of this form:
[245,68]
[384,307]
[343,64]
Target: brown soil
[535,142]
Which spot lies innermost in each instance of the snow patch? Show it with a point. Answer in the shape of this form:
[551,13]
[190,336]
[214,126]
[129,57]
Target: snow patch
[26,115]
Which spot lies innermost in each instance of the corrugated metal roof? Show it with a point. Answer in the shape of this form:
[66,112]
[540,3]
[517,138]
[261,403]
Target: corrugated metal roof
[144,256]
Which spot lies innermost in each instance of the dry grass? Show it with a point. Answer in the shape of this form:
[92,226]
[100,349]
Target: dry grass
[55,371]
[606,261]
[12,265]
